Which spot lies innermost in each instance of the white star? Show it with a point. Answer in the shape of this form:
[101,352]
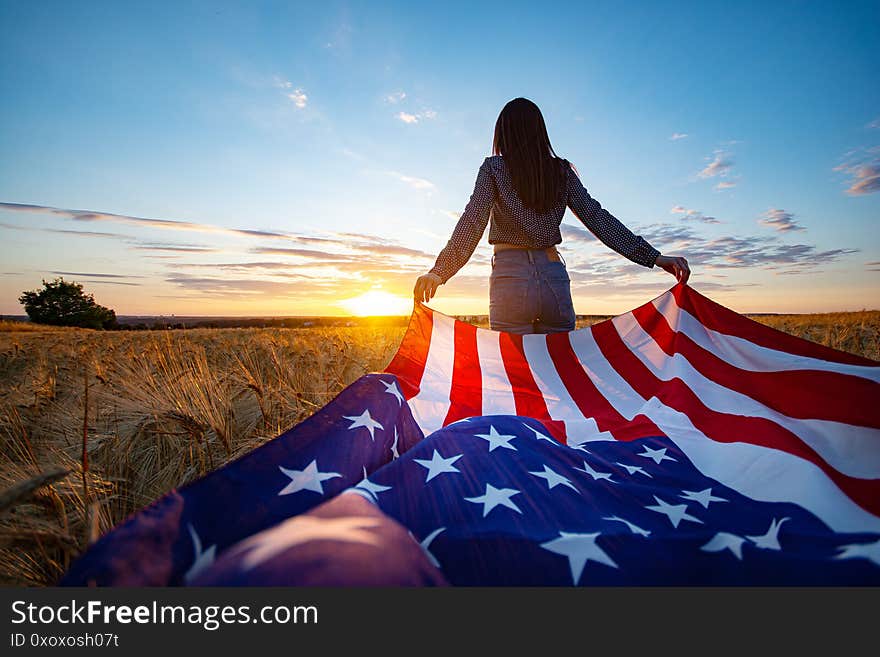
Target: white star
[303,529]
[394,453]
[579,548]
[632,469]
[308,479]
[770,540]
[553,478]
[202,559]
[541,436]
[870,551]
[370,487]
[596,475]
[676,513]
[426,543]
[704,497]
[635,529]
[438,465]
[656,454]
[724,541]
[364,420]
[392,389]
[496,439]
[495,496]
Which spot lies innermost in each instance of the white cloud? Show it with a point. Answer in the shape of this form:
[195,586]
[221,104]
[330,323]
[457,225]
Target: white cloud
[412,181]
[780,220]
[406,117]
[693,215]
[720,165]
[724,184]
[298,97]
[395,97]
[678,135]
[145,222]
[863,165]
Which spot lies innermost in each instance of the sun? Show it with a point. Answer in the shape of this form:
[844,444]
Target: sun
[377,302]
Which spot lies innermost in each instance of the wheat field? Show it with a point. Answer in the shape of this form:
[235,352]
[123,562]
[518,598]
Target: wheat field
[157,409]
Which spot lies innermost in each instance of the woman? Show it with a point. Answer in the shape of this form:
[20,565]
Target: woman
[524,187]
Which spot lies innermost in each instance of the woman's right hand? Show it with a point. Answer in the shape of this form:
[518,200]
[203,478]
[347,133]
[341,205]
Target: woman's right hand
[426,287]
[675,265]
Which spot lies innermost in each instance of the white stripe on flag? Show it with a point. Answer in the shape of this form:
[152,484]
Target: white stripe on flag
[747,355]
[560,405]
[430,405]
[761,473]
[497,391]
[852,450]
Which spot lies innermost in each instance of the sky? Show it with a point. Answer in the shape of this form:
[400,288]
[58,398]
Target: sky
[277,159]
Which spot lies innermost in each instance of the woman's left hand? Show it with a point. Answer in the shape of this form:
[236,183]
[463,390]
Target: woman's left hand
[675,265]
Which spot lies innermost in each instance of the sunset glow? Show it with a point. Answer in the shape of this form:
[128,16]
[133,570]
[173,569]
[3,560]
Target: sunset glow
[377,302]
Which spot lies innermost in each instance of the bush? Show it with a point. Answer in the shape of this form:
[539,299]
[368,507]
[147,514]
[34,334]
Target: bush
[60,303]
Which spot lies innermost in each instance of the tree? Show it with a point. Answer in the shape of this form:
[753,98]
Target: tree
[60,303]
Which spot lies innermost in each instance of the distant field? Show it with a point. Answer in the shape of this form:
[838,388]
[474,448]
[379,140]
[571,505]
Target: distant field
[165,407]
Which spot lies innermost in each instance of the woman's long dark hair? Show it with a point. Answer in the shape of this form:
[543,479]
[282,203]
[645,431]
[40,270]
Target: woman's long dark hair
[538,174]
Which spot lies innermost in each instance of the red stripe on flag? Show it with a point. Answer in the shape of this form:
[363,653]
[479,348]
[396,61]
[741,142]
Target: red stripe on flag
[589,400]
[721,319]
[801,394]
[527,397]
[725,427]
[466,393]
[408,364]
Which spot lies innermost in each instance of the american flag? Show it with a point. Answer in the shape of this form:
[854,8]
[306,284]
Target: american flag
[677,444]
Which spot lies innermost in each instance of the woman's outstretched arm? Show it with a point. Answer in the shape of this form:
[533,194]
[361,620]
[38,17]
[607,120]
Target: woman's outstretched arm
[615,235]
[465,236]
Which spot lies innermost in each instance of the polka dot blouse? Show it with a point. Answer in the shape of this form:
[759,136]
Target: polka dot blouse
[513,223]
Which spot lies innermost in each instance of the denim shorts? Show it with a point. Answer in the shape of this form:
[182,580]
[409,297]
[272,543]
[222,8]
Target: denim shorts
[529,293]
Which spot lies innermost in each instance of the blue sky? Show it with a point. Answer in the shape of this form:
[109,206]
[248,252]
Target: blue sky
[281,158]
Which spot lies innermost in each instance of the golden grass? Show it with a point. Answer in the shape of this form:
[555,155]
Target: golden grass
[165,407]
[8,325]
[855,332]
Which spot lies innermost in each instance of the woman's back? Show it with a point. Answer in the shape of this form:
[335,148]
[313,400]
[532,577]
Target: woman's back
[512,222]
